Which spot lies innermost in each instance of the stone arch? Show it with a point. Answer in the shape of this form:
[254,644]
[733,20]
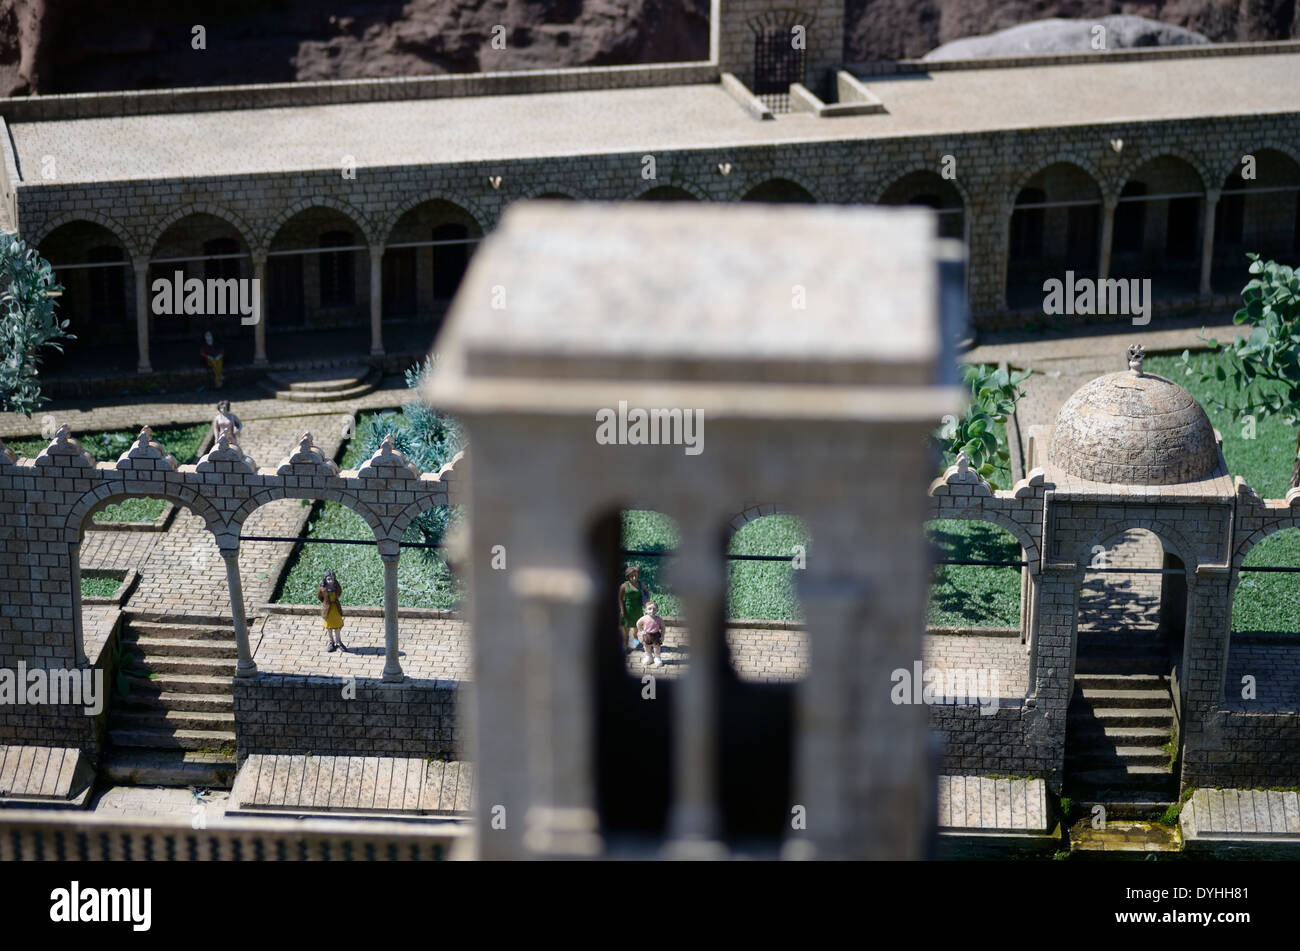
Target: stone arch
[755,182]
[1137,163]
[360,220]
[1003,521]
[1244,546]
[1233,164]
[1171,538]
[470,206]
[93,217]
[434,498]
[200,208]
[910,170]
[109,492]
[345,497]
[1083,165]
[691,189]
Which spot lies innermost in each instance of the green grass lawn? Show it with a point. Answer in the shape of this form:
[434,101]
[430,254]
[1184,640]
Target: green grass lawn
[760,590]
[423,581]
[973,595]
[99,587]
[1264,601]
[183,442]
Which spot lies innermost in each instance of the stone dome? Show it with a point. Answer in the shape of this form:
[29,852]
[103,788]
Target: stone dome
[1134,428]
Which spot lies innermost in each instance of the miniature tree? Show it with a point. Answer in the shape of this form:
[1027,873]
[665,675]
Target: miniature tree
[427,438]
[28,323]
[994,394]
[1265,366]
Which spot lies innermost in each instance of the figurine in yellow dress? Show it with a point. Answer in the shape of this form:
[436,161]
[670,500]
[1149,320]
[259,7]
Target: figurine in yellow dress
[328,595]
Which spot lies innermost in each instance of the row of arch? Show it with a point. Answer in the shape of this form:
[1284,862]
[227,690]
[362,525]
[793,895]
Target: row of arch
[324,265]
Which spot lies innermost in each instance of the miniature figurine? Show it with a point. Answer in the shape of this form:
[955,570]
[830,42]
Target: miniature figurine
[632,596]
[226,423]
[331,612]
[214,356]
[651,630]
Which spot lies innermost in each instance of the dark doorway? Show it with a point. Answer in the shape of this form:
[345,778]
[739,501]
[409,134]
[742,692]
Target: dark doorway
[449,260]
[284,273]
[399,282]
[1130,219]
[777,64]
[1182,231]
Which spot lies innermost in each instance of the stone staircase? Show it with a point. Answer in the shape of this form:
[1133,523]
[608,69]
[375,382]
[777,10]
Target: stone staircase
[1117,728]
[176,726]
[322,384]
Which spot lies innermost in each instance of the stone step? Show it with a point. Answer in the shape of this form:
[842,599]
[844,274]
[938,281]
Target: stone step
[324,391]
[181,683]
[167,739]
[172,768]
[1118,681]
[208,666]
[320,378]
[168,700]
[1102,698]
[1122,716]
[1091,731]
[179,646]
[169,630]
[163,718]
[1131,805]
[1089,757]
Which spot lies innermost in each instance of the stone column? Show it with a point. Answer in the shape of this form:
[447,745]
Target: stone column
[389,552]
[1207,240]
[562,820]
[694,824]
[141,267]
[79,658]
[376,301]
[1107,237]
[259,329]
[245,667]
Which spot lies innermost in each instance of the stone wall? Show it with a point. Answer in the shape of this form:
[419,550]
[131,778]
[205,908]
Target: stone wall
[282,713]
[992,168]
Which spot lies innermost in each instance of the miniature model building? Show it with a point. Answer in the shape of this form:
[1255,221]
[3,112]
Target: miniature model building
[820,409]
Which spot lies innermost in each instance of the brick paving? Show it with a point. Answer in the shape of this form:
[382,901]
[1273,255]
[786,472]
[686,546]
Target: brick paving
[365,784]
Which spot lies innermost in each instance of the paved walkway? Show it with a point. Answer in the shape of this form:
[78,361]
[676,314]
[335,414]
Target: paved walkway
[250,403]
[195,808]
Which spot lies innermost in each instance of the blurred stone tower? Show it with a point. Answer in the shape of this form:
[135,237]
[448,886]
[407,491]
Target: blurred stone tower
[817,404]
[769,44]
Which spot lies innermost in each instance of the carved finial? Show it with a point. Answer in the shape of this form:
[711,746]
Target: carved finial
[63,435]
[305,444]
[387,446]
[963,463]
[1135,357]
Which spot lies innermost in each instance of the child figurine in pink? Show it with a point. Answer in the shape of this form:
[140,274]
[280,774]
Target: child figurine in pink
[650,631]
